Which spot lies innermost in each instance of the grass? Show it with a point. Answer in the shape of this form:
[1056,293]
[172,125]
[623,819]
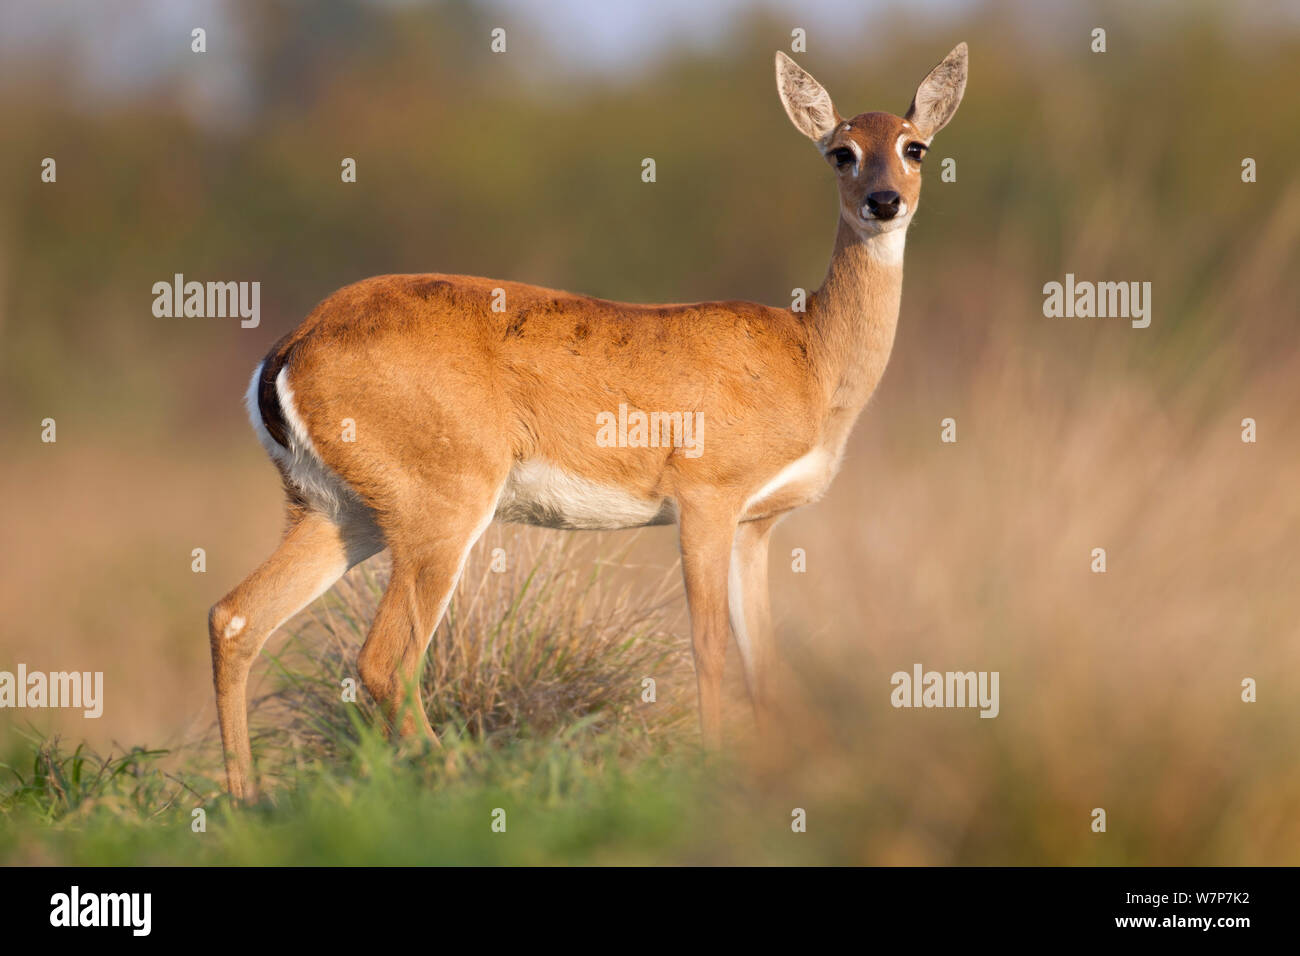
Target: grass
[562,798]
[536,687]
[536,638]
[1118,691]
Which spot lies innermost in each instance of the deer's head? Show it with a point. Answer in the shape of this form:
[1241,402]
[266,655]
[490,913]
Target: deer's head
[876,156]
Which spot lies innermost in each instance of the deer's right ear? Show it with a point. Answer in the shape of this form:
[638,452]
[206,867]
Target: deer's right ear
[806,103]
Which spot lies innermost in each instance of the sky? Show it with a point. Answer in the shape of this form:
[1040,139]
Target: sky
[122,44]
[611,33]
[119,48]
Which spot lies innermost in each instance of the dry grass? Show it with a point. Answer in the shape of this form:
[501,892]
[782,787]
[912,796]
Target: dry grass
[1119,690]
[565,631]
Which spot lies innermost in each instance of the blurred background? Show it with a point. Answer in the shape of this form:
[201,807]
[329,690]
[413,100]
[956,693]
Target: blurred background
[1119,690]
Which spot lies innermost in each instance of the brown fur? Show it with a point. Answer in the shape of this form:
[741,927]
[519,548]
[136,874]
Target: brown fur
[448,396]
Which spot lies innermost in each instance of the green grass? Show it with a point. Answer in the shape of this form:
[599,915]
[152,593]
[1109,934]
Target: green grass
[535,688]
[572,797]
[580,795]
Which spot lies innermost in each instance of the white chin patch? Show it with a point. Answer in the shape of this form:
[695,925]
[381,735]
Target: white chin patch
[884,240]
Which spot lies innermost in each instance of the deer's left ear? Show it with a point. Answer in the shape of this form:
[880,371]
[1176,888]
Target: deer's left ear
[939,94]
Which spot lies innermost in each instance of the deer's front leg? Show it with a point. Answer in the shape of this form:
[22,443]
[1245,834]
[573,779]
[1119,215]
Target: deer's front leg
[751,616]
[706,537]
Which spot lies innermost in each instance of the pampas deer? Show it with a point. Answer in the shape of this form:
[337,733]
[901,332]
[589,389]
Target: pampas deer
[464,413]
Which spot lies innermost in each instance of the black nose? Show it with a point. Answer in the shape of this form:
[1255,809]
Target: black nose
[884,205]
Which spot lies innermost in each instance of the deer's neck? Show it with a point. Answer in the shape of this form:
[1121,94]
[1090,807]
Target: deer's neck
[854,315]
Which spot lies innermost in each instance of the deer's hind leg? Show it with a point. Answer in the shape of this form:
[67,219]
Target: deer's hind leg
[315,552]
[430,545]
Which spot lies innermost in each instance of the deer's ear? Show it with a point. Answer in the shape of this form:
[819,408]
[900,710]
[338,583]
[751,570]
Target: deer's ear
[939,94]
[806,103]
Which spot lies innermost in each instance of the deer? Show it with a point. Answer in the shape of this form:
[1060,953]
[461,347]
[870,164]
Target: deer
[463,412]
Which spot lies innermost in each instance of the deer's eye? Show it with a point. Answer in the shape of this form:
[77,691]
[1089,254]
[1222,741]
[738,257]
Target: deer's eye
[915,151]
[841,157]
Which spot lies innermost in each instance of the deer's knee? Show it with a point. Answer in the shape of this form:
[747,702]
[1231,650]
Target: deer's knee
[226,625]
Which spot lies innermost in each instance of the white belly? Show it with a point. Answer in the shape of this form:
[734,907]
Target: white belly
[538,493]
